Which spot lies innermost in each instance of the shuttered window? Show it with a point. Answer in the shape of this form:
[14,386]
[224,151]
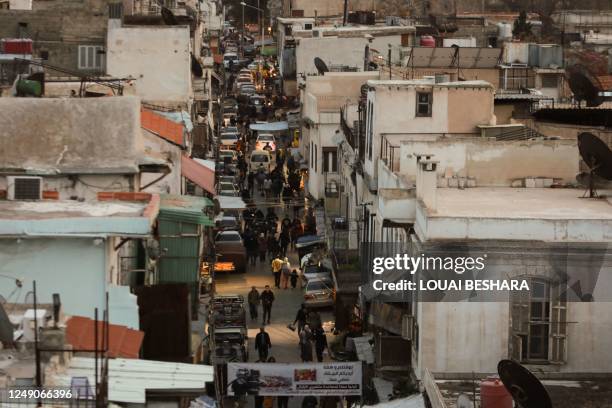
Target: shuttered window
[91,57]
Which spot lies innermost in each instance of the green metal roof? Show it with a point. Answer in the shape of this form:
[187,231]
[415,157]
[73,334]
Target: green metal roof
[185,208]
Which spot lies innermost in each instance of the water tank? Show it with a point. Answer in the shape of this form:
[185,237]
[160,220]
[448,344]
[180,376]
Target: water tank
[493,394]
[504,31]
[427,41]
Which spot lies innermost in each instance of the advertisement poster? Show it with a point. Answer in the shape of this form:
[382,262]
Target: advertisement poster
[340,379]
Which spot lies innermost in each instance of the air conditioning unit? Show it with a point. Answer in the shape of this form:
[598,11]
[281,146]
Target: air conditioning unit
[316,33]
[24,188]
[407,325]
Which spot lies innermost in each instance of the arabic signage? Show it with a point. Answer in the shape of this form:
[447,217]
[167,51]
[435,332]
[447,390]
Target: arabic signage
[273,379]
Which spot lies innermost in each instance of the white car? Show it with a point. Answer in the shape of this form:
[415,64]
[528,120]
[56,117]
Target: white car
[260,159]
[230,56]
[265,141]
[319,293]
[228,139]
[228,189]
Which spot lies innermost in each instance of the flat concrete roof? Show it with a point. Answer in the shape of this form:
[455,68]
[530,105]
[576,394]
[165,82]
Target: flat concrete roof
[522,203]
[65,218]
[521,214]
[424,82]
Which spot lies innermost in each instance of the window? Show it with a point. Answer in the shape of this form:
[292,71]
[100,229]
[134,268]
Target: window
[424,102]
[539,323]
[307,26]
[315,158]
[549,81]
[91,57]
[330,160]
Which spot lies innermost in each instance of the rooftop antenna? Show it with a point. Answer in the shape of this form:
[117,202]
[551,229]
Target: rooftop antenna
[321,66]
[526,390]
[598,158]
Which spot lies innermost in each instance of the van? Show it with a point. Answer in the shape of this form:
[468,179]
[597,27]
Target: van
[260,159]
[230,56]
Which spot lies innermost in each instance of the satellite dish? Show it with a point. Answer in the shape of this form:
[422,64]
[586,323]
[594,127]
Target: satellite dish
[321,66]
[6,327]
[196,68]
[598,158]
[584,85]
[526,390]
[168,16]
[463,401]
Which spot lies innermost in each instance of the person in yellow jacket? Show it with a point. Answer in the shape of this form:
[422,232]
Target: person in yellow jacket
[277,265]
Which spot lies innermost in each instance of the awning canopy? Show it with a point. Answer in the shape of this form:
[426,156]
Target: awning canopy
[269,127]
[122,342]
[201,175]
[185,208]
[230,203]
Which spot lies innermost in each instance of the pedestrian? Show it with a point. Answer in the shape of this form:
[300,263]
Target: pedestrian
[277,265]
[310,402]
[284,241]
[320,342]
[282,401]
[262,246]
[251,181]
[296,231]
[267,298]
[262,344]
[254,300]
[267,187]
[250,243]
[294,278]
[314,319]
[311,222]
[259,401]
[300,318]
[261,177]
[285,224]
[306,344]
[285,272]
[272,245]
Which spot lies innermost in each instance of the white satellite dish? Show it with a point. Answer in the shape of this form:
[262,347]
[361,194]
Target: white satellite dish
[463,401]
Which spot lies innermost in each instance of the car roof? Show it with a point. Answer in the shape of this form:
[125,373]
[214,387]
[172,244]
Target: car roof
[229,233]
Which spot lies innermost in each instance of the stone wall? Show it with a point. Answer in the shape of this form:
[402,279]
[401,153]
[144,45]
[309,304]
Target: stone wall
[59,27]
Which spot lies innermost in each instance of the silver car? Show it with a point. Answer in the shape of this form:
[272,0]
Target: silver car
[319,293]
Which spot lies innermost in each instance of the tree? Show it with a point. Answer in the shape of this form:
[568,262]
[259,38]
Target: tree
[522,28]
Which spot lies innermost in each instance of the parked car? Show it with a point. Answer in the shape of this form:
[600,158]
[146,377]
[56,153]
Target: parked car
[228,189]
[266,141]
[226,223]
[258,101]
[228,139]
[319,292]
[230,154]
[260,159]
[228,345]
[230,248]
[230,56]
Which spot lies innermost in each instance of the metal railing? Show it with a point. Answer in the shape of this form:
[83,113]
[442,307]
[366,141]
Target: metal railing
[390,155]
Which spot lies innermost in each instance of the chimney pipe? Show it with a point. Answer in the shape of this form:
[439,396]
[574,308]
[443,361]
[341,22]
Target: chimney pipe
[427,183]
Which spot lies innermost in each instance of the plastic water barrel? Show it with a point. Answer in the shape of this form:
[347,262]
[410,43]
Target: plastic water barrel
[427,41]
[493,394]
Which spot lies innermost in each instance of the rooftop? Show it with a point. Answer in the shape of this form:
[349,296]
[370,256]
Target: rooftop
[528,214]
[521,203]
[96,218]
[425,82]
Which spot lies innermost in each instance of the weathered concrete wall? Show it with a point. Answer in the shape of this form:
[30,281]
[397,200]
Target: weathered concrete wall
[70,134]
[495,163]
[155,146]
[339,51]
[157,57]
[59,27]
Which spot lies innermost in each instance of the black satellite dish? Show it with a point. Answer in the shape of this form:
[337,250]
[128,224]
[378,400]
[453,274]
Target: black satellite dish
[526,390]
[168,16]
[196,68]
[585,86]
[321,66]
[598,158]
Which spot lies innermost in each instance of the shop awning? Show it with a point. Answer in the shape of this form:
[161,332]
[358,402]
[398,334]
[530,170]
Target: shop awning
[122,342]
[269,127]
[201,175]
[185,208]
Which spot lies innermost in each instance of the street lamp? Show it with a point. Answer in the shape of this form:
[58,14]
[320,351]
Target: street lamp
[243,4]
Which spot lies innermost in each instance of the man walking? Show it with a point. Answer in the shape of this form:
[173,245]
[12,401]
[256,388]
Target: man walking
[267,298]
[285,272]
[300,318]
[253,299]
[277,265]
[320,342]
[262,344]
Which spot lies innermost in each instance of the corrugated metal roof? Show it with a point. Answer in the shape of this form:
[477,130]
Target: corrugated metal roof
[123,342]
[129,380]
[183,208]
